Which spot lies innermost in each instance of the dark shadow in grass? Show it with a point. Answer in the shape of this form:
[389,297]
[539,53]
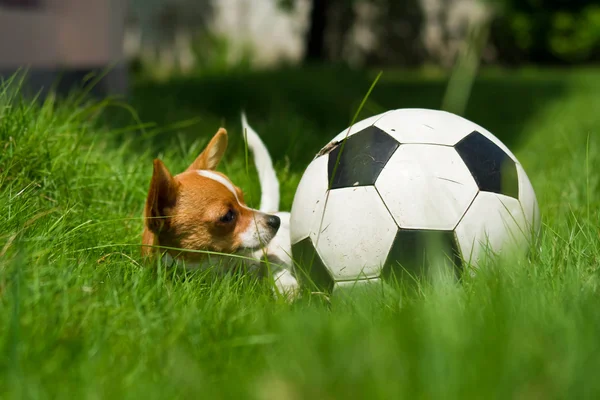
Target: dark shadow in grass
[296,111]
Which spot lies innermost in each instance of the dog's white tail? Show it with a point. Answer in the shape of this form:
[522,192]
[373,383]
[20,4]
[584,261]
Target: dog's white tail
[269,184]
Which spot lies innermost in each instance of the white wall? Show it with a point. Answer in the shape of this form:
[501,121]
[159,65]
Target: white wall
[273,33]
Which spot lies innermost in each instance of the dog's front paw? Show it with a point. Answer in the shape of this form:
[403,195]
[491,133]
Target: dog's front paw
[286,284]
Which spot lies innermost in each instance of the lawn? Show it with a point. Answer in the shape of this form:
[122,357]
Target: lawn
[81,317]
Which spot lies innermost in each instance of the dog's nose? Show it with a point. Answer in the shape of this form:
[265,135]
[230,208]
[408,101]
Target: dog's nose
[273,221]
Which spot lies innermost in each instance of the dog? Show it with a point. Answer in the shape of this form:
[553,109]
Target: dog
[198,219]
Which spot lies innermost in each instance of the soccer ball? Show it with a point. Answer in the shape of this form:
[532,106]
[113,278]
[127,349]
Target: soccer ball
[394,190]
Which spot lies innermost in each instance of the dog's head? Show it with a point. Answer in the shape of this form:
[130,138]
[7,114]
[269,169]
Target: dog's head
[201,209]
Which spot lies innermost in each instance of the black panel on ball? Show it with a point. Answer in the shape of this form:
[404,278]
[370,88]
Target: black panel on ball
[415,251]
[309,267]
[362,157]
[493,170]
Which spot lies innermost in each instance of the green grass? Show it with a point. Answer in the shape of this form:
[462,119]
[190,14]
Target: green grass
[80,317]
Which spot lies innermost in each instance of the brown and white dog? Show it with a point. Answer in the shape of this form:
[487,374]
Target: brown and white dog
[201,210]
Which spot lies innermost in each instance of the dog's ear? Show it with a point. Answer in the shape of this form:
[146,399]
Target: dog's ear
[212,154]
[162,195]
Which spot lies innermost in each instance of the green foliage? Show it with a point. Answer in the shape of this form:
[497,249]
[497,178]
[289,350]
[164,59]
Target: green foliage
[215,54]
[576,37]
[548,31]
[286,5]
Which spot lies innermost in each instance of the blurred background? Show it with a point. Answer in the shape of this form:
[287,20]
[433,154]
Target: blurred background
[300,68]
[160,38]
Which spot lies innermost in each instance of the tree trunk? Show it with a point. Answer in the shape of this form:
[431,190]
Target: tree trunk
[315,41]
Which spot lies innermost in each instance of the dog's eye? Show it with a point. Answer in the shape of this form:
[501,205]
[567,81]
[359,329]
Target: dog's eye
[229,217]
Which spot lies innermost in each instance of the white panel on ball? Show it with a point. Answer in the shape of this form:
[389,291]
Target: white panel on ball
[426,187]
[493,222]
[356,233]
[416,125]
[357,127]
[309,199]
[529,202]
